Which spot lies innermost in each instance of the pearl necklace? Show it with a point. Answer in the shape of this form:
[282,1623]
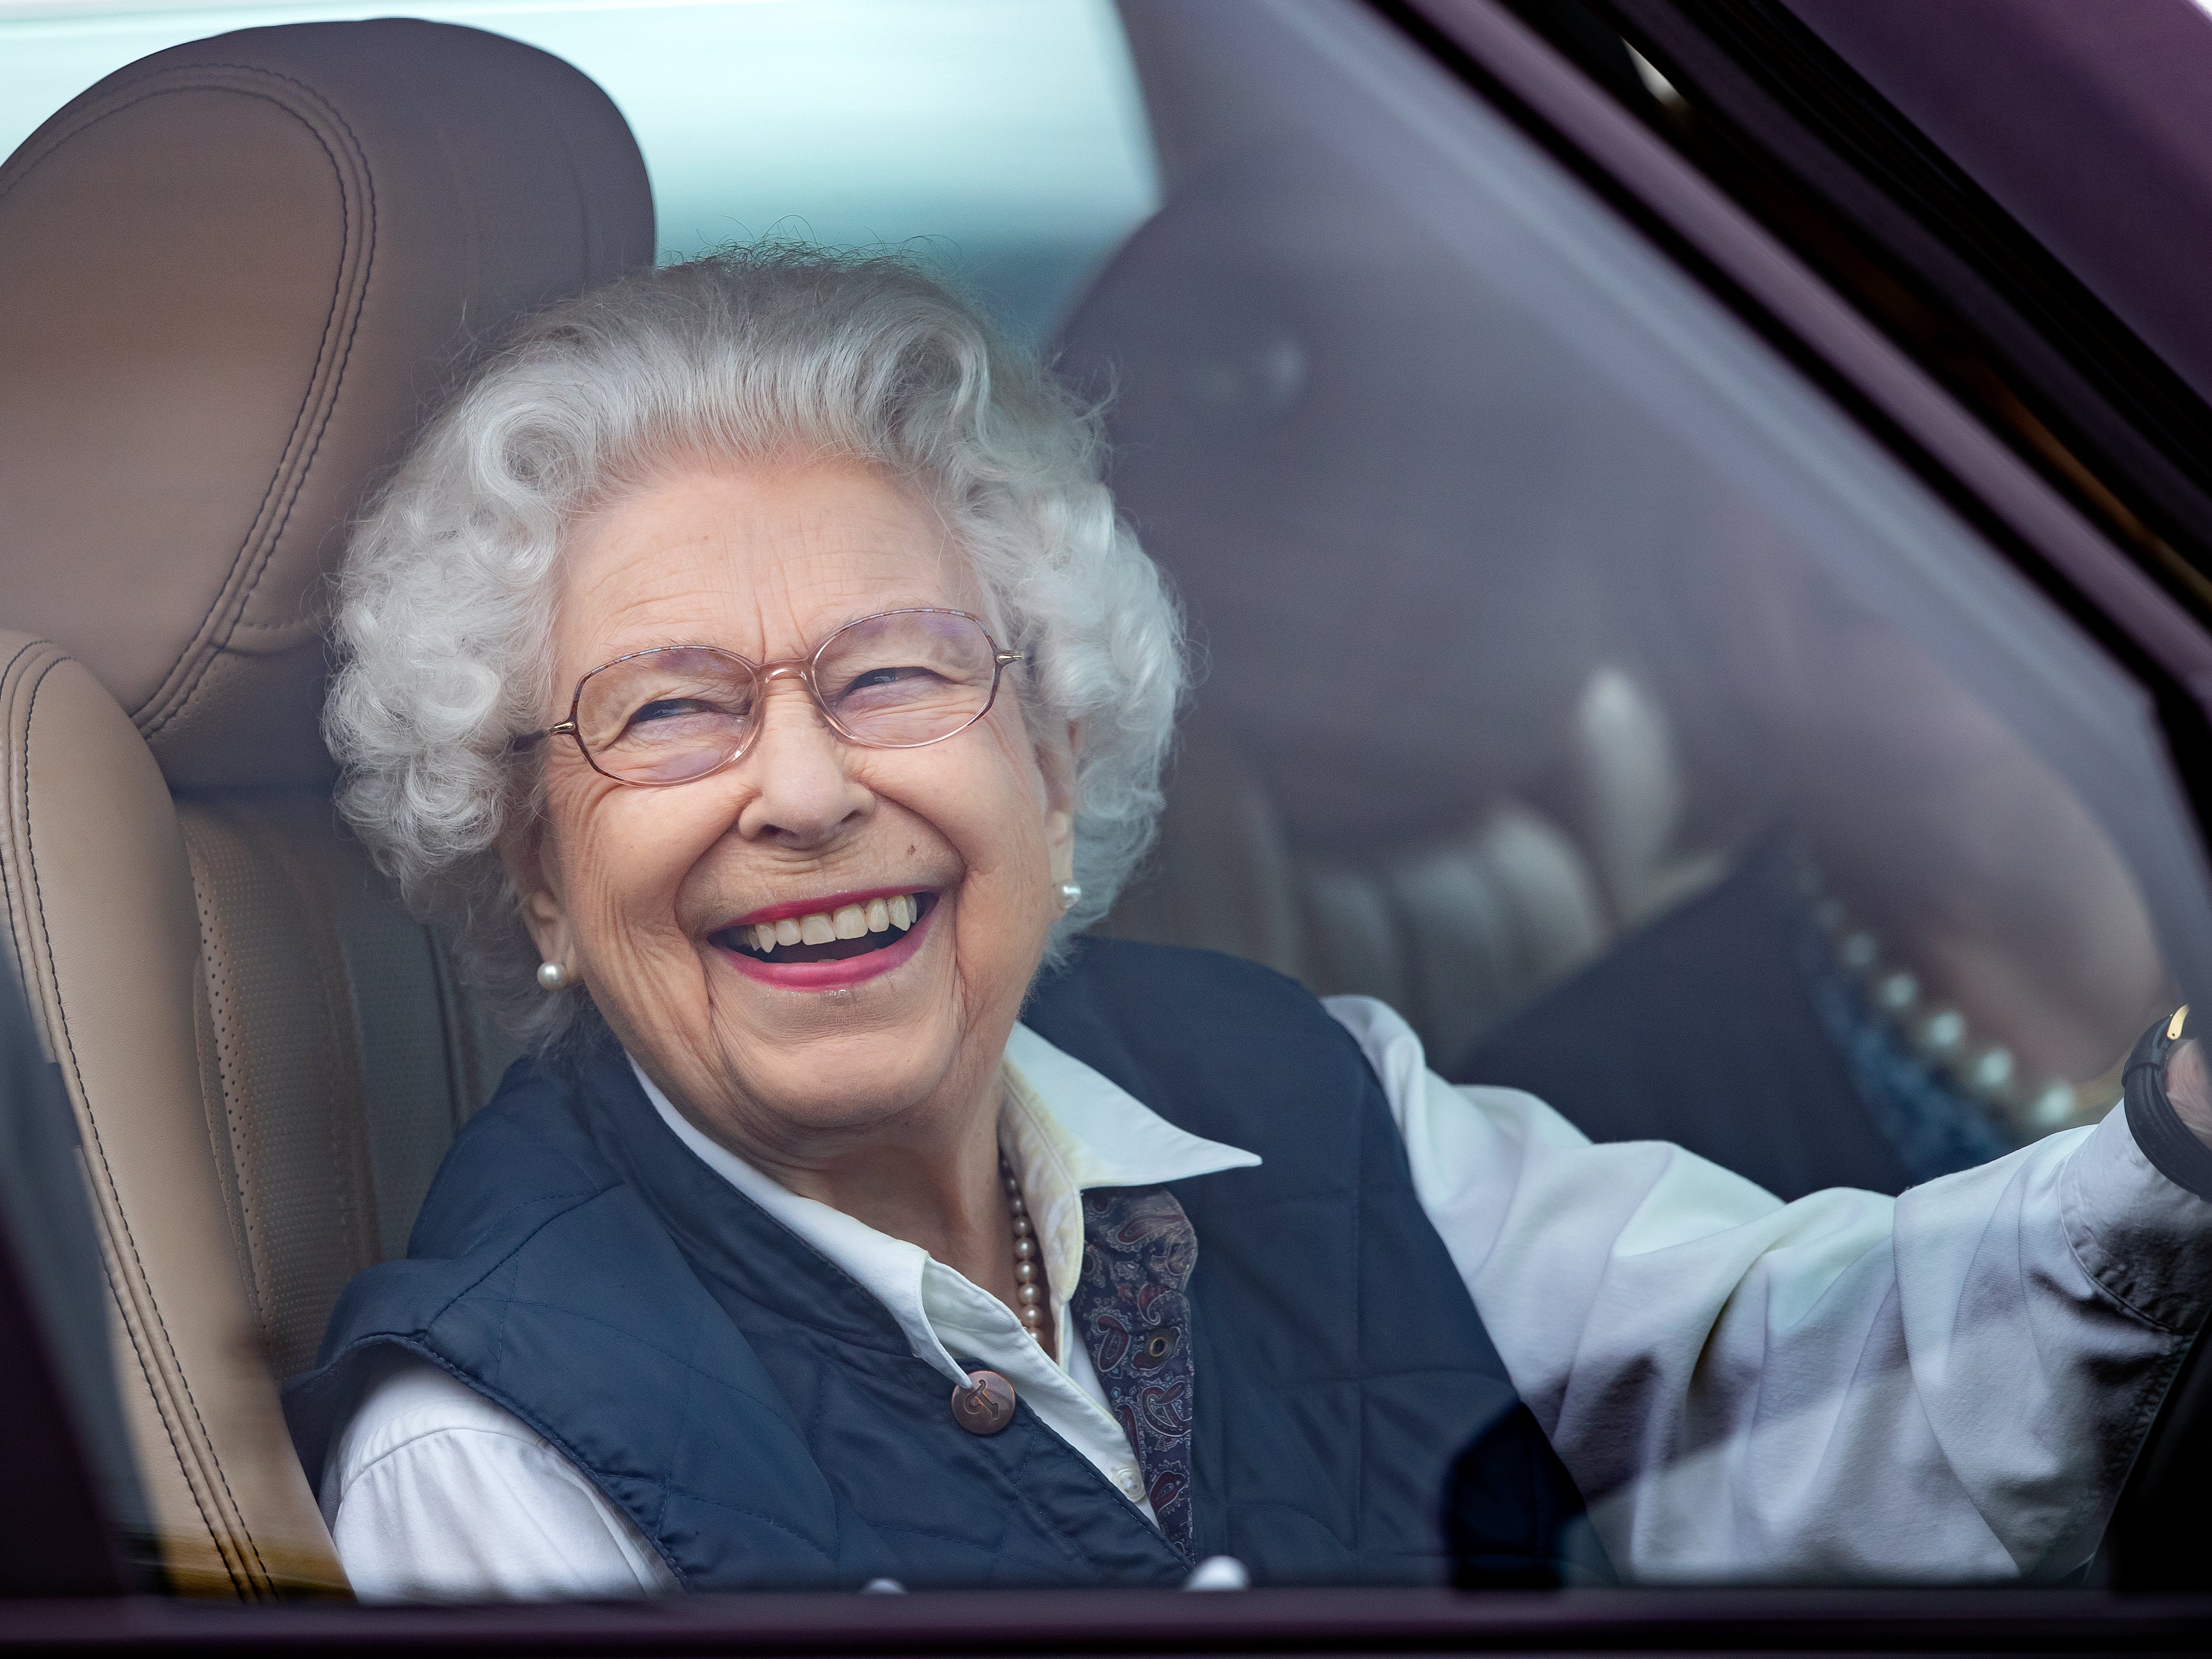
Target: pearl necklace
[984,1404]
[1986,1072]
[1028,1274]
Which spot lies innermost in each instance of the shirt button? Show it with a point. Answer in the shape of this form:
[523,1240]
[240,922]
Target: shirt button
[1130,1480]
[984,1404]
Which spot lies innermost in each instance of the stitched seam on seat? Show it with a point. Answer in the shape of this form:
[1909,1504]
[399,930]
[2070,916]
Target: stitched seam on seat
[92,1124]
[178,699]
[207,1049]
[181,698]
[31,163]
[202,851]
[176,1449]
[152,1388]
[352,1164]
[352,325]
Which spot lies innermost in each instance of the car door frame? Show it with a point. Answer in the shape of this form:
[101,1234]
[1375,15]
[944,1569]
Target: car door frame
[2133,611]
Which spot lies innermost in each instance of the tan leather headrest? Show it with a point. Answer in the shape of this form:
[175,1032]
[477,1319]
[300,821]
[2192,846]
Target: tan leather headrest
[232,276]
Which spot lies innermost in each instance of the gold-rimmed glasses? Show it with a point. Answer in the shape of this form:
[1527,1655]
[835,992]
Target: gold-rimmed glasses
[900,680]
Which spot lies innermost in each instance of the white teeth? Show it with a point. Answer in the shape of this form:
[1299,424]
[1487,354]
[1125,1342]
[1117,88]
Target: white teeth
[846,921]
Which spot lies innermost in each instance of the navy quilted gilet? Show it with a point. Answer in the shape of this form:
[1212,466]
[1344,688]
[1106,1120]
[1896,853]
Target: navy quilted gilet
[759,1417]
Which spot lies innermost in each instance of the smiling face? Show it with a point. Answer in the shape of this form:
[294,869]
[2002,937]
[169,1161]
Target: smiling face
[663,902]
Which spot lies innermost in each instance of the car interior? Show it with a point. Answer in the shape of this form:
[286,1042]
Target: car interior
[267,1055]
[1533,602]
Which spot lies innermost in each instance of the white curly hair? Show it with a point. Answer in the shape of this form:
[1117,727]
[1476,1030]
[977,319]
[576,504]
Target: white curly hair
[447,591]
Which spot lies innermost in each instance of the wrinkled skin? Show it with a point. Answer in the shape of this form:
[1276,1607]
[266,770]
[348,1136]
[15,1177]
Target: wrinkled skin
[879,1098]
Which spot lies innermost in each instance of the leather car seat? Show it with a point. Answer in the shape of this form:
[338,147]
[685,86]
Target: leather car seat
[232,276]
[1456,928]
[1417,767]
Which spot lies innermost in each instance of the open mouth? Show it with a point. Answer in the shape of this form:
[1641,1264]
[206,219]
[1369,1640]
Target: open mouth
[835,935]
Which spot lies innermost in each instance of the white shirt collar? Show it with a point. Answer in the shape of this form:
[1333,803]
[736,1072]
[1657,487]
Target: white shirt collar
[1065,1129]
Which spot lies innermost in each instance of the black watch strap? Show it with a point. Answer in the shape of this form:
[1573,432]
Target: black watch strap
[2173,1148]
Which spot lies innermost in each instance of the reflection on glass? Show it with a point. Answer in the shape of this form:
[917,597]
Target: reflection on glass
[1579,684]
[1700,775]
[1919,948]
[1985,917]
[1679,783]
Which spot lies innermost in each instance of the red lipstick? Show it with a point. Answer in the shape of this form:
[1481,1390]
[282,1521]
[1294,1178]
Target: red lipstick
[834,976]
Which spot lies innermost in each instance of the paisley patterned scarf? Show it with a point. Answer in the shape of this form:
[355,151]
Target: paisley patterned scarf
[1139,1249]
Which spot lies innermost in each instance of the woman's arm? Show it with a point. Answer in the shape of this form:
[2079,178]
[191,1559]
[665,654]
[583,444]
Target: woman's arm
[434,1494]
[1947,1385]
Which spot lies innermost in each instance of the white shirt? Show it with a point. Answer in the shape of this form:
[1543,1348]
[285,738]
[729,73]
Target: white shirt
[1948,1385]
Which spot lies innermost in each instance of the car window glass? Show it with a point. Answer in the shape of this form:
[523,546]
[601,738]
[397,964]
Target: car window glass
[1581,681]
[1000,139]
[1573,674]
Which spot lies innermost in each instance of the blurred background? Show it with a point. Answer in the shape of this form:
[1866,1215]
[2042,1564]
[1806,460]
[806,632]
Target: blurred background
[1004,140]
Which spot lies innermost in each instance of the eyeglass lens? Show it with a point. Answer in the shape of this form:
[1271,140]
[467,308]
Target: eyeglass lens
[895,681]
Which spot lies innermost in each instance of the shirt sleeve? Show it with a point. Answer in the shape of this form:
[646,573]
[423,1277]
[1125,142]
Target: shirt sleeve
[434,1494]
[1949,1385]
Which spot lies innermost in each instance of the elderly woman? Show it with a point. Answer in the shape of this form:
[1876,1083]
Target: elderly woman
[751,665]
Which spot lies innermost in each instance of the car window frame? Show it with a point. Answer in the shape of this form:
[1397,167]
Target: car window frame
[2135,615]
[2138,620]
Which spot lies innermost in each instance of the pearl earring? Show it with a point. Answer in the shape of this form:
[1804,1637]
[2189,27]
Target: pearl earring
[552,975]
[1071,895]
